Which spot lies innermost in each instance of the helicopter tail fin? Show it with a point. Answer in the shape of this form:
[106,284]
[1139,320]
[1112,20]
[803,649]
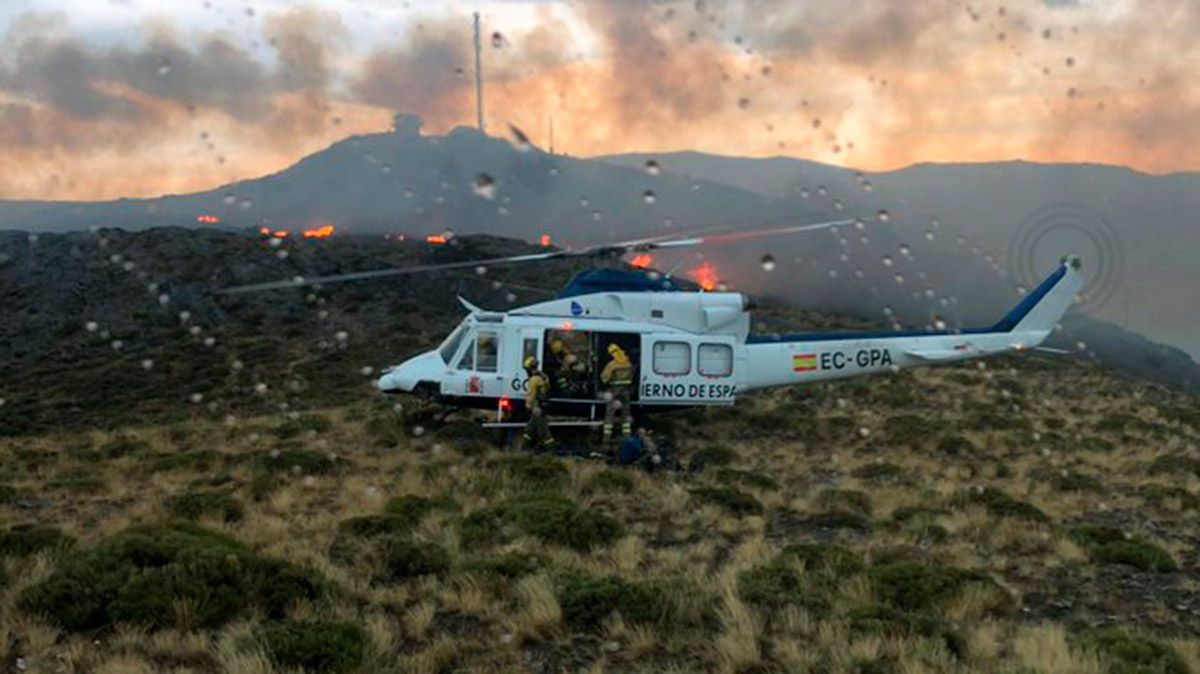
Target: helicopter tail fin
[1042,308]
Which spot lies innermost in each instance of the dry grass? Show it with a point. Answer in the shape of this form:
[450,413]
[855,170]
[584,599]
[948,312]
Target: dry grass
[499,605]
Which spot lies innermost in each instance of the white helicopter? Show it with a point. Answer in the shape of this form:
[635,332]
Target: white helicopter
[689,349]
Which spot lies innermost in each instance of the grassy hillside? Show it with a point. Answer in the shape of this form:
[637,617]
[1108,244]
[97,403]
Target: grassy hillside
[1026,516]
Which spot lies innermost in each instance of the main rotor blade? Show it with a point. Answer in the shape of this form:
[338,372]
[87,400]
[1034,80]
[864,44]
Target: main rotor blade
[301,281]
[619,248]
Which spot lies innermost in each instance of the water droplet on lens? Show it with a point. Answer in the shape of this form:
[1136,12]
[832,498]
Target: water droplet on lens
[498,40]
[928,235]
[743,103]
[768,263]
[899,279]
[652,167]
[905,250]
[484,186]
[648,196]
[887,260]
[884,216]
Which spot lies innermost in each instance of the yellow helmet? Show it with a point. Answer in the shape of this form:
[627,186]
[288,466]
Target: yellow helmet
[613,349]
[530,362]
[557,346]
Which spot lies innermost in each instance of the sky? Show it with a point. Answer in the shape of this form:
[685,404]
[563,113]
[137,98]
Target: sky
[131,98]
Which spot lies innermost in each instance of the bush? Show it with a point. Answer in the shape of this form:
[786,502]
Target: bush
[837,519]
[1070,480]
[405,558]
[412,508]
[736,502]
[878,471]
[713,456]
[610,481]
[553,519]
[200,459]
[23,540]
[509,565]
[1000,504]
[122,446]
[1157,494]
[1124,653]
[303,461]
[143,575]
[316,646]
[8,494]
[823,558]
[1108,545]
[1174,464]
[955,445]
[78,484]
[844,499]
[535,472]
[747,478]
[910,430]
[587,600]
[778,583]
[194,505]
[916,587]
[891,622]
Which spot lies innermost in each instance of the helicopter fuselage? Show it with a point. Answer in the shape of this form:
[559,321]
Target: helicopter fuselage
[689,349]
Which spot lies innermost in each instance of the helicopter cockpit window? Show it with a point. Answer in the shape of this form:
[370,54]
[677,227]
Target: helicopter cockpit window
[487,351]
[450,346]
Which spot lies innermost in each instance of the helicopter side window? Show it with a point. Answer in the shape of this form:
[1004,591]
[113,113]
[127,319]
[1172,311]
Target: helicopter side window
[715,360]
[487,351]
[672,358]
[467,361]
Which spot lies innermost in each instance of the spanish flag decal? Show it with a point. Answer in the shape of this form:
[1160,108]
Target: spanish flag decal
[804,362]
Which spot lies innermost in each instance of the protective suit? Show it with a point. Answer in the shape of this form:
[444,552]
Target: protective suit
[617,377]
[536,436]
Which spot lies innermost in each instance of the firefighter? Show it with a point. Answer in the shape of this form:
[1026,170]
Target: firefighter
[568,371]
[537,430]
[617,378]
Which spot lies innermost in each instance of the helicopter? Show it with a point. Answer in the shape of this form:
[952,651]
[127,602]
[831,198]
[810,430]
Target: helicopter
[688,348]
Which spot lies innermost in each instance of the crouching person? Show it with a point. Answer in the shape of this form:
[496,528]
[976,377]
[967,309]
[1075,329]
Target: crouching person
[639,449]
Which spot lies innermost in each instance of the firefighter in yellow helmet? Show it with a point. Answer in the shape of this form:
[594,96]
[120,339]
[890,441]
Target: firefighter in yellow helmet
[537,430]
[617,377]
[568,371]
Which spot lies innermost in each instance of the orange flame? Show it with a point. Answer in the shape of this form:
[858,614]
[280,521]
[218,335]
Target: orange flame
[706,276]
[642,260]
[264,231]
[208,219]
[435,239]
[545,240]
[281,233]
[319,232]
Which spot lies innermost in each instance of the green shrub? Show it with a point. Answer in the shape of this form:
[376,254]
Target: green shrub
[779,583]
[317,646]
[532,472]
[405,558]
[713,456]
[413,508]
[551,518]
[1108,545]
[837,519]
[1124,653]
[510,565]
[1070,480]
[916,587]
[23,540]
[302,461]
[910,430]
[844,499]
[122,445]
[143,574]
[610,481]
[1001,504]
[199,460]
[1174,464]
[78,484]
[587,601]
[8,494]
[825,558]
[747,478]
[891,622]
[955,445]
[1157,494]
[878,471]
[736,502]
[194,505]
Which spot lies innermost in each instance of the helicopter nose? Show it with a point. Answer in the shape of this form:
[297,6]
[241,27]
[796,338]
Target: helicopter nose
[405,377]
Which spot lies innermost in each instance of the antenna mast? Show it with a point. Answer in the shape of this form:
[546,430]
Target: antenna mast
[478,78]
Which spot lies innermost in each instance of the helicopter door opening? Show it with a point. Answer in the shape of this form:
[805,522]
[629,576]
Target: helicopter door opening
[570,363]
